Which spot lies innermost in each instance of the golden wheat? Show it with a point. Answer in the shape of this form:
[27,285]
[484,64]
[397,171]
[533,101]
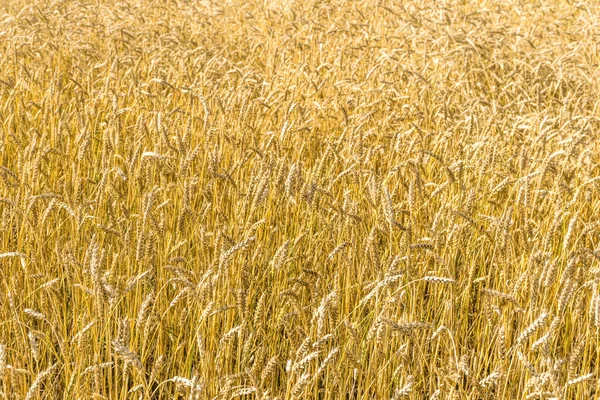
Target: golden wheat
[320,199]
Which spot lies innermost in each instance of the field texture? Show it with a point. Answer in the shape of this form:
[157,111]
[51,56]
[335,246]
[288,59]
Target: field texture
[299,199]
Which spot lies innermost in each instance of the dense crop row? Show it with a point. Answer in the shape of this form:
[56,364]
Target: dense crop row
[299,199]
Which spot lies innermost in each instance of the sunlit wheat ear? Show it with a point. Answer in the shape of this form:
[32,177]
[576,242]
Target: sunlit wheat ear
[241,392]
[35,315]
[226,257]
[145,309]
[579,379]
[330,358]
[292,181]
[78,337]
[190,384]
[570,231]
[38,381]
[128,356]
[3,360]
[34,345]
[439,279]
[20,255]
[156,368]
[388,207]
[281,255]
[595,309]
[404,391]
[565,295]
[500,295]
[269,368]
[406,328]
[541,341]
[490,381]
[338,249]
[574,358]
[300,385]
[549,274]
[302,364]
[530,330]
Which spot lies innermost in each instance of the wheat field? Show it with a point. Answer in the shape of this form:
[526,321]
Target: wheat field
[316,199]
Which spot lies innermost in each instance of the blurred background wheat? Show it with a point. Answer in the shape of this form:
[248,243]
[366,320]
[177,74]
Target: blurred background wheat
[316,199]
